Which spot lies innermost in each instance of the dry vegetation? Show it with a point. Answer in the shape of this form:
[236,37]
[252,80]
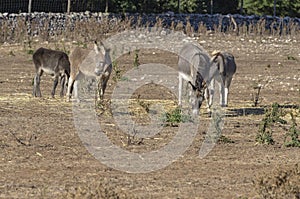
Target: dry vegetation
[85,30]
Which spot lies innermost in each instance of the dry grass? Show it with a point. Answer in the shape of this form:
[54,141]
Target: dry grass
[101,188]
[280,184]
[83,31]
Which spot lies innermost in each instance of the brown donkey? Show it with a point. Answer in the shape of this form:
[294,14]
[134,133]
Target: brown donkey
[55,63]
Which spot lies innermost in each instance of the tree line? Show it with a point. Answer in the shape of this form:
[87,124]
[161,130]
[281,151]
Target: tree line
[247,7]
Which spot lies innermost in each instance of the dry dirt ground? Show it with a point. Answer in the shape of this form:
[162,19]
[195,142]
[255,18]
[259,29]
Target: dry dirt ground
[42,155]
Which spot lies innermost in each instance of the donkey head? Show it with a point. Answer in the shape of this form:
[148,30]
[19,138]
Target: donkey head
[197,94]
[102,59]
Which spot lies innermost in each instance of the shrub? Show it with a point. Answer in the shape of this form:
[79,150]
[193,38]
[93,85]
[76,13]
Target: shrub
[272,116]
[293,134]
[174,117]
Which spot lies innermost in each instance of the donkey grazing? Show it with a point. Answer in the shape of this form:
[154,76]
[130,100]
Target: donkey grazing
[193,67]
[89,63]
[55,63]
[227,67]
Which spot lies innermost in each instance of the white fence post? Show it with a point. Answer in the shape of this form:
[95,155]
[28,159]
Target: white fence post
[29,6]
[69,7]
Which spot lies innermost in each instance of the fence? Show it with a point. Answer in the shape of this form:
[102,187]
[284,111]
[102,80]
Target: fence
[56,6]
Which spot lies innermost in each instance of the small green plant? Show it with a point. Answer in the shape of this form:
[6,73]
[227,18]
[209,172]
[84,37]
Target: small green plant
[81,44]
[116,70]
[84,45]
[289,57]
[264,136]
[30,52]
[174,117]
[65,50]
[293,134]
[272,116]
[123,78]
[225,140]
[136,61]
[276,114]
[143,104]
[133,139]
[11,53]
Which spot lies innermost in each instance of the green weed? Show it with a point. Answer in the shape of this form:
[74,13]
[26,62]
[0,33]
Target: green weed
[276,114]
[30,52]
[117,71]
[143,104]
[289,57]
[272,115]
[225,140]
[264,136]
[292,136]
[11,53]
[175,116]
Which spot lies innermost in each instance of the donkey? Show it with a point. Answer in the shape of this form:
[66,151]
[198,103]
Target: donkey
[194,67]
[55,63]
[89,63]
[226,67]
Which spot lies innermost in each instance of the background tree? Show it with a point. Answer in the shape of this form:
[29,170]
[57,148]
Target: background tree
[265,7]
[226,7]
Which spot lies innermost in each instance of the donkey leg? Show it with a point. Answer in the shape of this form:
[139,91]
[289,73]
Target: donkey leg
[227,85]
[62,83]
[207,96]
[66,83]
[78,77]
[226,97]
[54,86]
[70,88]
[99,89]
[36,85]
[102,90]
[222,94]
[103,86]
[76,91]
[211,92]
[179,90]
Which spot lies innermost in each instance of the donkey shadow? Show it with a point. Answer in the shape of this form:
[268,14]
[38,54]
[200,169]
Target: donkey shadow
[236,112]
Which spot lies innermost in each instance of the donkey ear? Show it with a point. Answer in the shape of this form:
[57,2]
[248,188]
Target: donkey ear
[214,58]
[96,47]
[193,87]
[204,85]
[99,48]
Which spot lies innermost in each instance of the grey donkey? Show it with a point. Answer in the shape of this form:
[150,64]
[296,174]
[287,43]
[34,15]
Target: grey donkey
[89,63]
[226,66]
[194,67]
[55,63]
